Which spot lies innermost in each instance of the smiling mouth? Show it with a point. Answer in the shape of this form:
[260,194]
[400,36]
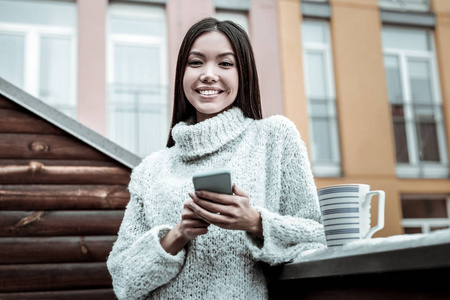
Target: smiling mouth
[209,92]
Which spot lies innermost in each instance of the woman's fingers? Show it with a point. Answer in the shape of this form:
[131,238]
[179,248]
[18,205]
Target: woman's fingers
[238,191]
[189,214]
[210,217]
[214,202]
[191,224]
[227,211]
[212,213]
[209,205]
[215,197]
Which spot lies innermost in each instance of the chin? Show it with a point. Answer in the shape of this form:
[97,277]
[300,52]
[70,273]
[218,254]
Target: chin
[211,109]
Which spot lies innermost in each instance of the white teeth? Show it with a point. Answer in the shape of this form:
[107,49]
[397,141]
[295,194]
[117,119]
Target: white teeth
[209,92]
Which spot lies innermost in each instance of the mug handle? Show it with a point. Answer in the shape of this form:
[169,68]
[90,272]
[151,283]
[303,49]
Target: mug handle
[380,225]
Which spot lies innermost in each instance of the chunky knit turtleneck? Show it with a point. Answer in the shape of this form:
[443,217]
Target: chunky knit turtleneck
[268,160]
[208,136]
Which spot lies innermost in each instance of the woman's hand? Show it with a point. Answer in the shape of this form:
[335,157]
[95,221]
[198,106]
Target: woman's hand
[191,225]
[188,229]
[228,211]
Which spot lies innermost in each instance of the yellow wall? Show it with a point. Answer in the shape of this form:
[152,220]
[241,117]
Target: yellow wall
[366,136]
[361,92]
[291,65]
[441,9]
[364,116]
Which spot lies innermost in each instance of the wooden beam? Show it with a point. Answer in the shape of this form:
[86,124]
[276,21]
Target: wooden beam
[59,223]
[60,162]
[37,172]
[8,104]
[55,249]
[91,294]
[40,146]
[63,197]
[47,277]
[14,121]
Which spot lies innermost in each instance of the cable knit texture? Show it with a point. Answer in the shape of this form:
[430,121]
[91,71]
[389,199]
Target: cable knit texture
[268,159]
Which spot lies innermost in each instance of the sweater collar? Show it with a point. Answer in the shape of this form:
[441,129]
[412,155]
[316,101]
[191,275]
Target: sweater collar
[196,140]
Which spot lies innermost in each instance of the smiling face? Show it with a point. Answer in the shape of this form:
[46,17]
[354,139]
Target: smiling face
[211,79]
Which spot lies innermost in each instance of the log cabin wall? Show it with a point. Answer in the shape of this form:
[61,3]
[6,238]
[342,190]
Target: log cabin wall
[61,205]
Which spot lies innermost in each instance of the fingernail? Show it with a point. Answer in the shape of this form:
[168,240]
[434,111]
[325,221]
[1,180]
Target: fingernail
[191,205]
[198,193]
[191,195]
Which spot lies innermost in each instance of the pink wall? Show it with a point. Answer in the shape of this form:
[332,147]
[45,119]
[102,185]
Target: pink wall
[263,23]
[181,15]
[92,64]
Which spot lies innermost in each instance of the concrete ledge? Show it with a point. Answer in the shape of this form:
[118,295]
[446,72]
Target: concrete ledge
[148,1]
[315,10]
[411,273]
[426,257]
[425,20]
[239,5]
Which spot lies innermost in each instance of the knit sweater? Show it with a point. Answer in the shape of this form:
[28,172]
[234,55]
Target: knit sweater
[267,159]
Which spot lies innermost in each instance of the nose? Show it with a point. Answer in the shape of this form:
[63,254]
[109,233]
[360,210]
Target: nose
[209,75]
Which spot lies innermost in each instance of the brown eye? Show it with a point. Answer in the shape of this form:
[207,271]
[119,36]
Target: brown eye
[226,64]
[195,63]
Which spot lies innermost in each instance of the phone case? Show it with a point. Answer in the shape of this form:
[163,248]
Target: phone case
[218,181]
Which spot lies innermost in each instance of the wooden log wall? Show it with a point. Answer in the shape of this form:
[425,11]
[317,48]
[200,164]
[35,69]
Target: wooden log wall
[61,205]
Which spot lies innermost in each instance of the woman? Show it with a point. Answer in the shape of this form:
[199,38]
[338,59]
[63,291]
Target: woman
[176,244]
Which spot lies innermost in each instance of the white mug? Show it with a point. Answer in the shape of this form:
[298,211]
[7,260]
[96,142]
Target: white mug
[346,212]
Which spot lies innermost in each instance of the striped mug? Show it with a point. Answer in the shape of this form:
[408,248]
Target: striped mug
[346,212]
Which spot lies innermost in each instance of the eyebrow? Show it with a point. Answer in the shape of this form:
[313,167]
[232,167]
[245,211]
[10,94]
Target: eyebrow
[202,55]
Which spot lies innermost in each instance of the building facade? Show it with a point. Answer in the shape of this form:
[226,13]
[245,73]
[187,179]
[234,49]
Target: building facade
[365,81]
[377,72]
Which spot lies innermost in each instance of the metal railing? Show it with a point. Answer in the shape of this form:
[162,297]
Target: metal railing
[140,104]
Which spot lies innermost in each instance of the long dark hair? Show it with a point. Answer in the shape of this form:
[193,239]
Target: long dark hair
[248,97]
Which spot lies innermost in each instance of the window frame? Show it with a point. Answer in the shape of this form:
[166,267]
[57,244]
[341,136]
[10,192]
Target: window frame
[323,169]
[113,39]
[32,34]
[402,6]
[416,168]
[426,223]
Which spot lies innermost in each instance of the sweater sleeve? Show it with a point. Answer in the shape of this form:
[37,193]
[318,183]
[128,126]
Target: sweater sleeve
[296,226]
[137,263]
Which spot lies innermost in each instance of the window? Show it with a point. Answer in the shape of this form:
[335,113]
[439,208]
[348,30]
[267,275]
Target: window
[320,92]
[414,96]
[38,50]
[425,213]
[238,17]
[405,5]
[138,106]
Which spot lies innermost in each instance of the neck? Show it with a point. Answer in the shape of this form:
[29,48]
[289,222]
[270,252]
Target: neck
[200,117]
[194,140]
